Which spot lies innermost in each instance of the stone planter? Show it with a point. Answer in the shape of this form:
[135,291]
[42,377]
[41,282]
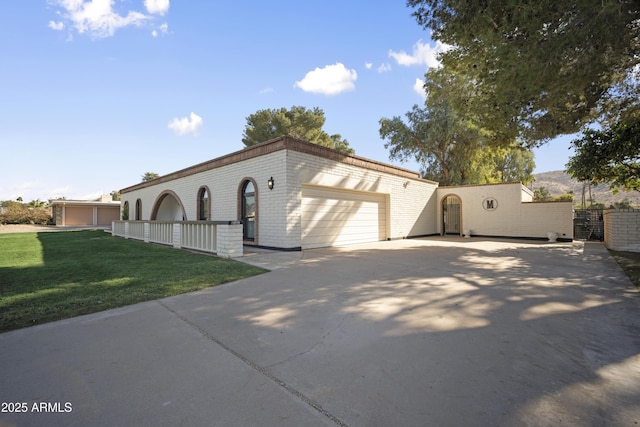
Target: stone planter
[553,236]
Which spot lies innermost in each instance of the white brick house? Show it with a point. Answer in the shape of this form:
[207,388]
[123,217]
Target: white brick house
[321,197]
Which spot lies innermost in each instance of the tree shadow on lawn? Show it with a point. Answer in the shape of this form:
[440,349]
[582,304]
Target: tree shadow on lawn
[83,272]
[442,331]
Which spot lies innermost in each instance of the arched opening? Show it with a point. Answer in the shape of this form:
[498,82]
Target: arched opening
[138,215]
[168,207]
[125,211]
[204,204]
[451,215]
[248,210]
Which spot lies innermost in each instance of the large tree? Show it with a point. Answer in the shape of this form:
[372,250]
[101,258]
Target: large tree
[298,122]
[610,155]
[540,68]
[451,144]
[450,151]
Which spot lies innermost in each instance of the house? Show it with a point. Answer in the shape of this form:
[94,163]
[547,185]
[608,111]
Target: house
[100,212]
[291,194]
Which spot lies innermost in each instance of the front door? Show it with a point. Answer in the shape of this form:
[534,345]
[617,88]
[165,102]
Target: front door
[451,215]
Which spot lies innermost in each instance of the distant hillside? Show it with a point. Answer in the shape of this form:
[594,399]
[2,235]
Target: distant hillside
[558,182]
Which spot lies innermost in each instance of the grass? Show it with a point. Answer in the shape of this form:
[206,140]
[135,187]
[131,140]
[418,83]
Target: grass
[52,276]
[630,263]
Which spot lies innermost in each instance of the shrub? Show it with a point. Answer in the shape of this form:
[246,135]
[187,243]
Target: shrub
[18,213]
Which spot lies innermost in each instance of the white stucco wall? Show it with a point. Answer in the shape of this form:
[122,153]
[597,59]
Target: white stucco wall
[514,215]
[538,218]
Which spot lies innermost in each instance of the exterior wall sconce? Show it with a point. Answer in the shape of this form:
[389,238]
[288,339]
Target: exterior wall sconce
[270,183]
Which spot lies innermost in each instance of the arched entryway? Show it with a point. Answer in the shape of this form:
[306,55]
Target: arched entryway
[249,210]
[451,215]
[168,207]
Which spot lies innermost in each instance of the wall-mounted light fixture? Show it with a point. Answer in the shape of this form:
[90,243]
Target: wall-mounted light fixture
[270,183]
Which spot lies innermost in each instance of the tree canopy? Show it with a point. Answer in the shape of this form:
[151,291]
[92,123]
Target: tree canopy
[451,152]
[452,146]
[610,155]
[539,69]
[148,176]
[298,122]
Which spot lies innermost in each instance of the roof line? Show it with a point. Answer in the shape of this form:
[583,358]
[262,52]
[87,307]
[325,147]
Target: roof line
[271,146]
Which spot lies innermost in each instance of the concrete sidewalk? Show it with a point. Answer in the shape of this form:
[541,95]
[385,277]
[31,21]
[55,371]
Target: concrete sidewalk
[434,331]
[269,259]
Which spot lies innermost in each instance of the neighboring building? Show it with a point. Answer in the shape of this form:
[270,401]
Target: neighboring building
[100,212]
[291,194]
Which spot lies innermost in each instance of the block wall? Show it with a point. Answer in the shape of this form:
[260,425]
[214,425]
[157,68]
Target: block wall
[622,230]
[224,185]
[539,218]
[411,206]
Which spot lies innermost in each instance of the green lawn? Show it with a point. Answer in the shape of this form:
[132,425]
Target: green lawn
[52,276]
[630,263]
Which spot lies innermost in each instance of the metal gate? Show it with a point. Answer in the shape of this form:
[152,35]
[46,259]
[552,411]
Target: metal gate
[588,224]
[451,215]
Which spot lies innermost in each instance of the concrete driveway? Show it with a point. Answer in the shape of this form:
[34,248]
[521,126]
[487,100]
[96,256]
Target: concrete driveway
[435,331]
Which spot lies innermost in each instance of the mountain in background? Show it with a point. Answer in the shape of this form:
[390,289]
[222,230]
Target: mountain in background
[559,182]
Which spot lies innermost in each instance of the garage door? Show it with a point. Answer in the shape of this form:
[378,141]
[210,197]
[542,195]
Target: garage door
[332,217]
[78,215]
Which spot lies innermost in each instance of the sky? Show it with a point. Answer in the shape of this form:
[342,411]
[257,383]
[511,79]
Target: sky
[93,94]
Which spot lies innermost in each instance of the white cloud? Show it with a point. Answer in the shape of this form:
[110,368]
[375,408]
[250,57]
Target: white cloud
[164,29]
[421,54]
[58,26]
[330,80]
[418,87]
[157,7]
[267,90]
[98,19]
[384,68]
[186,125]
[368,65]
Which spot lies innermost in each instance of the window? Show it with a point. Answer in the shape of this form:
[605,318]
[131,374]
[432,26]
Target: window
[248,205]
[203,204]
[138,210]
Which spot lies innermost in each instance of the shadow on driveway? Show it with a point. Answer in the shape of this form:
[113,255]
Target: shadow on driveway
[437,331]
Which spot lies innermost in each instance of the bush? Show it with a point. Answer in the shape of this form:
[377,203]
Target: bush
[18,213]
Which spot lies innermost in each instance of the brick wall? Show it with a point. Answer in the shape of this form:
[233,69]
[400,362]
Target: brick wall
[412,209]
[622,230]
[224,185]
[411,206]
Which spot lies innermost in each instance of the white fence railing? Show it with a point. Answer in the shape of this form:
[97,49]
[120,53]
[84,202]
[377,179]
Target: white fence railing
[223,238]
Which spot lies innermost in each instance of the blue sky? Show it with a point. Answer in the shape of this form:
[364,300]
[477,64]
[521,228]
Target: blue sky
[96,93]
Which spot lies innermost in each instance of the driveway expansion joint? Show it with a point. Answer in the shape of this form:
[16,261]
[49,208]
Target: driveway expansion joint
[259,369]
[288,359]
